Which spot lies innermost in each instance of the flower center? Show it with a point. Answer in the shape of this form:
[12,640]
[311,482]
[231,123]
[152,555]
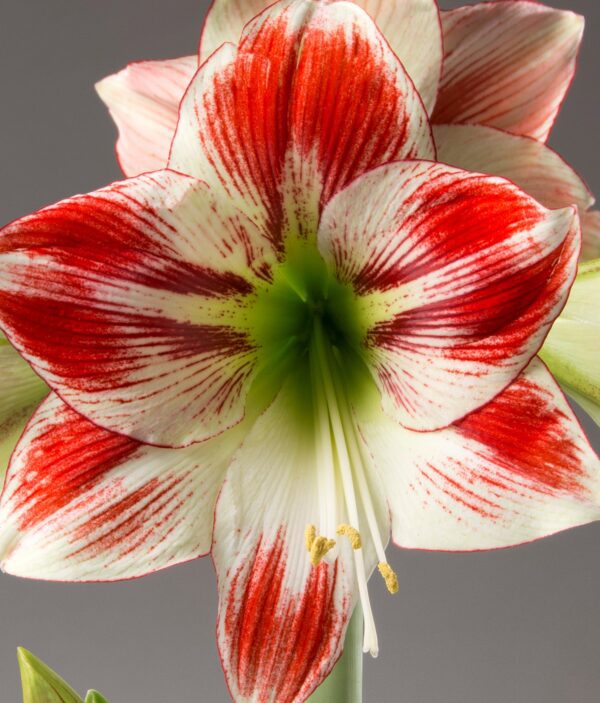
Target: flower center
[302,291]
[308,325]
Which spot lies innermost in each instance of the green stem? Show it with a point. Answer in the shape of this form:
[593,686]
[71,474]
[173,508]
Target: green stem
[344,684]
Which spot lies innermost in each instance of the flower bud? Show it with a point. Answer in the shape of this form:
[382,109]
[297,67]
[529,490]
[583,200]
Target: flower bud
[41,684]
[571,348]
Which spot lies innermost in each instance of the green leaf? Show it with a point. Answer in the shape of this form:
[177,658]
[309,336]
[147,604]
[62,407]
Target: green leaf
[95,697]
[41,684]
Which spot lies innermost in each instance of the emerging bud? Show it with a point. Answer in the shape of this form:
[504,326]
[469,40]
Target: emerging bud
[41,684]
[571,348]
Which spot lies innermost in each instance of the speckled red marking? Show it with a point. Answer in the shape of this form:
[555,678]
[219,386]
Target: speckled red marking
[84,491]
[449,219]
[279,645]
[312,100]
[525,430]
[70,457]
[357,118]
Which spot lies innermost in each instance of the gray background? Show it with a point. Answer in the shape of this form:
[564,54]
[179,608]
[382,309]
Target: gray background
[516,626]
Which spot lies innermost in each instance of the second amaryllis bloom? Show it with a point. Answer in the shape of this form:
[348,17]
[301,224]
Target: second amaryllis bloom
[299,337]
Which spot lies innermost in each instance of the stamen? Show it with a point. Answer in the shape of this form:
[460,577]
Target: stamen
[370,643]
[319,549]
[389,576]
[359,460]
[352,534]
[310,535]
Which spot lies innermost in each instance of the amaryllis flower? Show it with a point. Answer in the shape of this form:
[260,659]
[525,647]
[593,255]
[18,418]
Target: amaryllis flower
[301,336]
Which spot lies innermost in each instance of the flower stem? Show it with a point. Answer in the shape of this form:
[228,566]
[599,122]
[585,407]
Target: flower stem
[344,684]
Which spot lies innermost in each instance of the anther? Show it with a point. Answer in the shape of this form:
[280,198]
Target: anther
[389,576]
[319,549]
[310,535]
[352,534]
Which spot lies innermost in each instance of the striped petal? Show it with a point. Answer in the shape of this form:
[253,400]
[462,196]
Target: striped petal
[531,165]
[459,277]
[517,470]
[507,65]
[572,349]
[22,392]
[281,621]
[143,100]
[84,504]
[412,28]
[252,121]
[590,231]
[130,303]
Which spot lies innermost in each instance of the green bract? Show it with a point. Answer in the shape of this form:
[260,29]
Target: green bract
[572,349]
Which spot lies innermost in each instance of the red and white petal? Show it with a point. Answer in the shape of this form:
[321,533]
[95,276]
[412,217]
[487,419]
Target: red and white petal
[231,134]
[143,100]
[252,121]
[22,392]
[84,504]
[530,164]
[458,278]
[412,28]
[515,471]
[590,232]
[130,303]
[225,22]
[281,621]
[507,65]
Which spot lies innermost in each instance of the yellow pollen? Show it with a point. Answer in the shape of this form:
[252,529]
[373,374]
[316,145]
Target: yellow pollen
[310,535]
[352,534]
[319,549]
[389,576]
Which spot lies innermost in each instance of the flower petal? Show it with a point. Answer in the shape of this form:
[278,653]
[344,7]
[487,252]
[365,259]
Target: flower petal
[530,164]
[130,303]
[459,277]
[507,65]
[82,504]
[517,470]
[251,122]
[590,231]
[281,621]
[22,392]
[143,100]
[572,349]
[412,28]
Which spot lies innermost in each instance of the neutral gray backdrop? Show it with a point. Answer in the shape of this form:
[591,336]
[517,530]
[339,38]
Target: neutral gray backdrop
[515,626]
